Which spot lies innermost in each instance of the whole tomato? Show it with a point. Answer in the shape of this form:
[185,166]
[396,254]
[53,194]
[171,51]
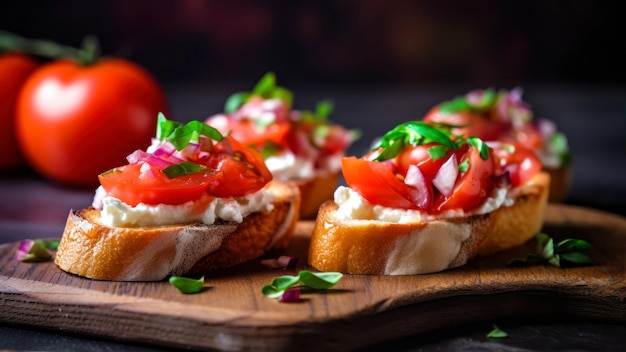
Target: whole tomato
[76,121]
[14,69]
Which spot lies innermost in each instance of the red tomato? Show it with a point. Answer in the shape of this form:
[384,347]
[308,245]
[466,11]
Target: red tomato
[483,126]
[233,170]
[14,69]
[128,185]
[472,186]
[418,155]
[376,182]
[248,132]
[521,163]
[240,170]
[74,122]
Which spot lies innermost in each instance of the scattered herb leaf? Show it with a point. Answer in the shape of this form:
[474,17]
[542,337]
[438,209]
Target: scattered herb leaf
[304,279]
[412,133]
[180,135]
[31,251]
[567,251]
[187,285]
[265,88]
[497,333]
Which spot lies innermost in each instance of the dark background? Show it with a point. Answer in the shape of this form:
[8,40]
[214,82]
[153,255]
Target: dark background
[345,42]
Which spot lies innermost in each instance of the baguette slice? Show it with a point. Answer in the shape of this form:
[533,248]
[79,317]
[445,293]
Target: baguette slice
[91,249]
[386,248]
[315,191]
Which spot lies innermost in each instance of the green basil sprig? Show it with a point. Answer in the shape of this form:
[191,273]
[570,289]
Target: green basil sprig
[570,251]
[461,104]
[304,279]
[181,134]
[417,133]
[266,88]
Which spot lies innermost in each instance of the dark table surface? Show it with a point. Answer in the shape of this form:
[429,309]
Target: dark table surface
[593,118]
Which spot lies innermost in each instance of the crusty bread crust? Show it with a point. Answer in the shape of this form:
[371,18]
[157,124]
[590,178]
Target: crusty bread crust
[378,247]
[94,250]
[560,182]
[316,191]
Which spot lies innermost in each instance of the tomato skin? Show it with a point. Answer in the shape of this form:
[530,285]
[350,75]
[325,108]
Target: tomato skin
[473,186]
[236,176]
[522,164]
[376,182]
[14,70]
[127,184]
[232,170]
[75,122]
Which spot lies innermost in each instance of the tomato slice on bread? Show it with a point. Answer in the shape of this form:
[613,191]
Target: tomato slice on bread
[170,172]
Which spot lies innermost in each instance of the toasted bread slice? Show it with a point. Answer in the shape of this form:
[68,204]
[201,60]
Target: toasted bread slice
[94,250]
[315,191]
[379,247]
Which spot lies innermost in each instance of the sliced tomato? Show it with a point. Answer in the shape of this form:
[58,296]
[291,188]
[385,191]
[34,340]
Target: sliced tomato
[473,186]
[484,126]
[249,133]
[132,186]
[418,155]
[522,163]
[240,170]
[377,182]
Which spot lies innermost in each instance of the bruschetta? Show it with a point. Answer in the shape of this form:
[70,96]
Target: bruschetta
[426,200]
[298,146]
[504,116]
[192,202]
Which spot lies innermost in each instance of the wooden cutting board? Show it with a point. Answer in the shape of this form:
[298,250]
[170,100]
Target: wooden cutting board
[232,314]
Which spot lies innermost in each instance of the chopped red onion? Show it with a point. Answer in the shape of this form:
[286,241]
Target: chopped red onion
[24,248]
[446,176]
[419,194]
[291,295]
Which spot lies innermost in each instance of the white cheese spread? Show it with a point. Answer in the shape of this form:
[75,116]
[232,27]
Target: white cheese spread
[288,166]
[116,213]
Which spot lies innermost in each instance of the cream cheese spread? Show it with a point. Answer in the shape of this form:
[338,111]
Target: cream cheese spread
[207,210]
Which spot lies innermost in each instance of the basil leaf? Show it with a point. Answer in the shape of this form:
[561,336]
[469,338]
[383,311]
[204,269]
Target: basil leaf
[487,101]
[437,151]
[281,94]
[573,244]
[182,135]
[412,133]
[266,85]
[319,281]
[547,250]
[483,148]
[323,109]
[497,333]
[555,260]
[187,285]
[270,149]
[235,101]
[305,278]
[456,105]
[577,257]
[33,251]
[181,169]
[463,166]
[165,127]
[52,244]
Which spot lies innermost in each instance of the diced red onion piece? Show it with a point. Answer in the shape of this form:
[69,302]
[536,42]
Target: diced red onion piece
[291,295]
[190,150]
[24,248]
[286,261]
[419,194]
[446,176]
[546,127]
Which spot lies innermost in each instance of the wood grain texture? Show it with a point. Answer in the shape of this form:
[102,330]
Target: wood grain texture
[232,314]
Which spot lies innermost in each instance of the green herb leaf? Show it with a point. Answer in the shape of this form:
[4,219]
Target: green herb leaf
[33,251]
[181,169]
[483,148]
[323,109]
[464,165]
[497,333]
[165,127]
[281,93]
[183,134]
[437,151]
[52,244]
[266,85]
[235,101]
[187,285]
[270,149]
[412,133]
[305,278]
[566,251]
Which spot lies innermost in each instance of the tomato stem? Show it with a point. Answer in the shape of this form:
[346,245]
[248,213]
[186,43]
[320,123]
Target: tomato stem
[48,49]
